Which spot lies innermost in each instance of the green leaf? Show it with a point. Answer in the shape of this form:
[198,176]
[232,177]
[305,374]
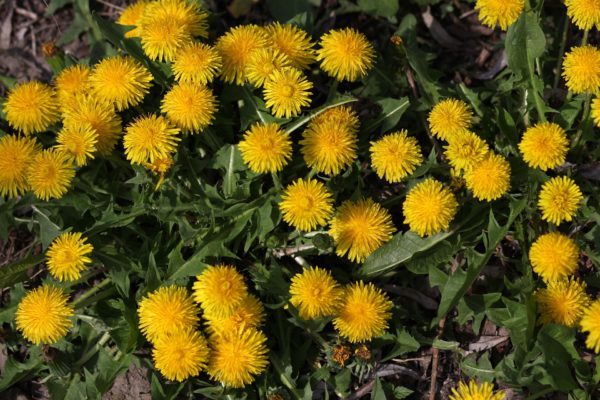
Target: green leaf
[48,229]
[402,248]
[391,112]
[458,283]
[380,8]
[525,41]
[283,11]
[377,393]
[17,271]
[557,359]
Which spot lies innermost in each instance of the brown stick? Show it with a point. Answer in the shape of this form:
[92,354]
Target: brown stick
[435,353]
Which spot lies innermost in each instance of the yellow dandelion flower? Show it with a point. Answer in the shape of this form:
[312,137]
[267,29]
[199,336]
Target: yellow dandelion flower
[554,256]
[340,115]
[78,142]
[148,138]
[237,357]
[160,166]
[429,208]
[345,54]
[266,148]
[328,147]
[584,13]
[101,116]
[590,323]
[490,178]
[16,155]
[132,16]
[449,117]
[220,289]
[236,48]
[562,302]
[165,311]
[286,92]
[315,293]
[581,69]
[359,228]
[250,313]
[196,63]
[363,314]
[595,111]
[293,42]
[501,13]
[189,106]
[544,146]
[120,80]
[559,200]
[263,63]
[187,14]
[181,354]
[465,149]
[43,315]
[162,37]
[68,256]
[50,174]
[31,107]
[395,156]
[306,204]
[475,391]
[71,81]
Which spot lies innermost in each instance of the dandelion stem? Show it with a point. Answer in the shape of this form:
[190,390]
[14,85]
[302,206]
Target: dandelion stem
[91,292]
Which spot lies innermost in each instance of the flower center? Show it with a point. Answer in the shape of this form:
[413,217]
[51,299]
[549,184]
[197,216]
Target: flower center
[287,90]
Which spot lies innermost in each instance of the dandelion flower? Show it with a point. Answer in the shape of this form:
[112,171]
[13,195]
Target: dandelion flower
[68,255]
[266,148]
[101,116]
[148,138]
[450,117]
[220,290]
[315,293]
[31,107]
[263,63]
[190,106]
[160,166]
[250,313]
[16,155]
[181,354]
[196,63]
[340,115]
[50,174]
[328,147]
[359,228]
[474,391]
[43,315]
[306,204]
[503,13]
[237,357]
[429,208]
[581,69]
[236,48]
[544,146]
[345,54]
[120,80]
[465,149]
[584,13]
[590,322]
[364,313]
[165,311]
[554,256]
[293,42]
[186,14]
[162,37]
[71,81]
[395,156]
[490,178]
[78,142]
[132,16]
[559,200]
[286,92]
[562,302]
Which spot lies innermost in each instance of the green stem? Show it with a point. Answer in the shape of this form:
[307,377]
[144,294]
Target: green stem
[90,353]
[276,181]
[584,122]
[561,51]
[250,97]
[585,37]
[91,292]
[536,95]
[332,90]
